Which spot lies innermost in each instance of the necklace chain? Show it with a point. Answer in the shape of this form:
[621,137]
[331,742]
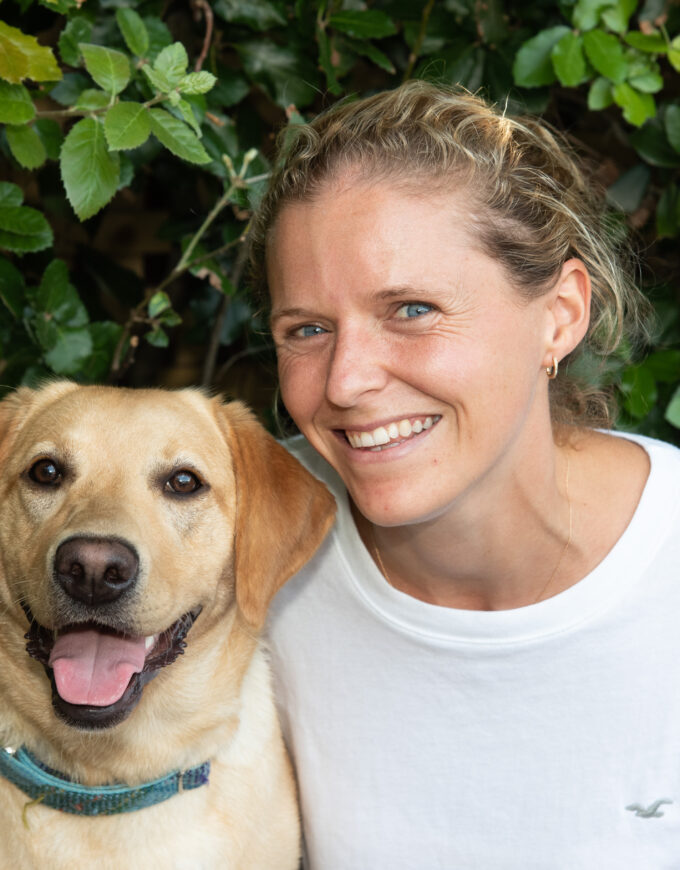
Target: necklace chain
[545,587]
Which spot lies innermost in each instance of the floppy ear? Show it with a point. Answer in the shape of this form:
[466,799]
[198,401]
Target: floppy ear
[282,512]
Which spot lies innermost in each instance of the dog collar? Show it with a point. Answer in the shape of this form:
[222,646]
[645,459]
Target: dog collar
[53,789]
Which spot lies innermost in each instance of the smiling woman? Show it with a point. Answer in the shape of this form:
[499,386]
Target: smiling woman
[434,269]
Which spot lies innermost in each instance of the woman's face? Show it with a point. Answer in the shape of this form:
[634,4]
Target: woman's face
[405,356]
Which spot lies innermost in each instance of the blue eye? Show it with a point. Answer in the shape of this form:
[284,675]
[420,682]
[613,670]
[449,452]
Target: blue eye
[309,330]
[414,309]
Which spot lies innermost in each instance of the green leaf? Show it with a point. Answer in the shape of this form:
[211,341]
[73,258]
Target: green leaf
[105,337]
[637,107]
[367,49]
[134,31]
[674,54]
[197,83]
[533,63]
[649,81]
[491,21]
[171,64]
[256,14]
[654,43]
[667,217]
[600,94]
[157,337]
[10,194]
[22,57]
[326,61]
[568,60]
[70,88]
[230,89]
[368,24]
[89,171]
[664,365]
[26,146]
[51,135]
[108,67]
[586,14]
[92,99]
[127,125]
[673,410]
[672,124]
[627,191]
[158,303]
[159,35]
[23,229]
[70,350]
[651,144]
[617,15]
[605,53]
[188,114]
[11,288]
[639,389]
[58,298]
[177,137]
[77,30]
[285,73]
[156,80]
[16,106]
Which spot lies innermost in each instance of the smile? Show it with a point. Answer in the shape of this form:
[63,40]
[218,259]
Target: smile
[389,436]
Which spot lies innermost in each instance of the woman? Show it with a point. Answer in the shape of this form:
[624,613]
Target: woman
[477,670]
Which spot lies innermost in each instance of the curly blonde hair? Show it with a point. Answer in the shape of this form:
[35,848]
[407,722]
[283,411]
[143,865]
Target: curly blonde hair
[532,207]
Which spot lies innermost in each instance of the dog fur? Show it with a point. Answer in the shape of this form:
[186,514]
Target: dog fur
[226,549]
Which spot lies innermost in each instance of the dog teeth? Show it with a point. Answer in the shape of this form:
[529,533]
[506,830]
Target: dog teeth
[149,642]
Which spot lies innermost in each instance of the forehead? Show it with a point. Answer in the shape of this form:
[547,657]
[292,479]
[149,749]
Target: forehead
[134,424]
[372,235]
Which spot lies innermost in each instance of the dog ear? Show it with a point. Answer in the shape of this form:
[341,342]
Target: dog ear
[282,512]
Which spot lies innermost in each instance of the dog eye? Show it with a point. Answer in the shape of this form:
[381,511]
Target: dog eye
[47,472]
[183,482]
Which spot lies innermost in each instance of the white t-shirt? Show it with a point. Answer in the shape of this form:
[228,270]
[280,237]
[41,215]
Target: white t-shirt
[429,738]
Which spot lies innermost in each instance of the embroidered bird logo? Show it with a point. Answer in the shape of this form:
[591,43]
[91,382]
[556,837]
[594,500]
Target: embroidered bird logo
[650,812]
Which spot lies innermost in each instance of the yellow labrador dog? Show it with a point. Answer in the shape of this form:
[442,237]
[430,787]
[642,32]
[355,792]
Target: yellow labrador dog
[142,535]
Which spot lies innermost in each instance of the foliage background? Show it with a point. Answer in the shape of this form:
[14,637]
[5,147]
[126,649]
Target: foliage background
[135,140]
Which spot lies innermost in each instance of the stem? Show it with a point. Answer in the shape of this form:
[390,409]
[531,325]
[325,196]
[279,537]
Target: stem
[214,345]
[209,19]
[216,209]
[417,45]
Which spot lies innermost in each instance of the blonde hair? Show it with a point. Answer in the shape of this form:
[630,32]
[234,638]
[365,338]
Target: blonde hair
[530,203]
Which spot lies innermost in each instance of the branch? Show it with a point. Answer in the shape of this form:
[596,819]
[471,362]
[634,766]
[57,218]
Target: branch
[214,346]
[209,20]
[417,45]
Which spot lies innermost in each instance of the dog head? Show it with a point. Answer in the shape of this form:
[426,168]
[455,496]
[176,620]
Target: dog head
[128,515]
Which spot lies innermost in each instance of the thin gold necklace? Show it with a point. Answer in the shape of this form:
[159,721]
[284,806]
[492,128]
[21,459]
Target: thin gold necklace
[552,573]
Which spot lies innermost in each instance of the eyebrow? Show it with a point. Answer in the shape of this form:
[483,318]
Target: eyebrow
[291,312]
[401,291]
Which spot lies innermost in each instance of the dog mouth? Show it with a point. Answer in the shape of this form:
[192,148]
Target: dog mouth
[98,673]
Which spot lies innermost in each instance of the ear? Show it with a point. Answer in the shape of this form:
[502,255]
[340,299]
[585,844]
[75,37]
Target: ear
[282,511]
[17,406]
[569,303]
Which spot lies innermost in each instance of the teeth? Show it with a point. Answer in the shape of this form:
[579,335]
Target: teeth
[404,428]
[392,432]
[149,642]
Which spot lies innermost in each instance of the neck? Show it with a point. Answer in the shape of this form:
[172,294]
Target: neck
[479,557]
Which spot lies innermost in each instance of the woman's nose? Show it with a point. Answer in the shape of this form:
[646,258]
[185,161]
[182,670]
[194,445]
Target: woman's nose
[358,365]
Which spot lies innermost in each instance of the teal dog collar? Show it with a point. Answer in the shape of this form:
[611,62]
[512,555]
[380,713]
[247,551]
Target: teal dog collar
[54,790]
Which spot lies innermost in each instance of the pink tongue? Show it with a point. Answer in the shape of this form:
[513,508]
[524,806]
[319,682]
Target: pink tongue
[95,668]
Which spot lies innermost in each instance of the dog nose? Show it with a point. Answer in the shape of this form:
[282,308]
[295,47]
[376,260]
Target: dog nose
[95,570]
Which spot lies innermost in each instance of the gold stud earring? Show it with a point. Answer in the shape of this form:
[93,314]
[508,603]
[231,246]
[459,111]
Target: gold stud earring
[551,371]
